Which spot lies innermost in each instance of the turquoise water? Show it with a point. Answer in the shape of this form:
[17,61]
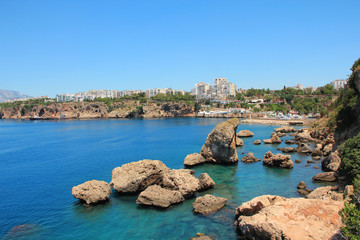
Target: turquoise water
[40,161]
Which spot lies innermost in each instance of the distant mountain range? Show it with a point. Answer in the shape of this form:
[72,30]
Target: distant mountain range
[8,95]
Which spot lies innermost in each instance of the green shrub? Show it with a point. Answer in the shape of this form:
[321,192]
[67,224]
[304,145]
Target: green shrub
[350,155]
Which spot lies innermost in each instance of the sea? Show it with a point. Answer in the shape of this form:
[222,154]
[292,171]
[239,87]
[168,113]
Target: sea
[40,162]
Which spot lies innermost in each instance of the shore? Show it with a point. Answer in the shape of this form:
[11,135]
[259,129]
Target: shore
[278,121]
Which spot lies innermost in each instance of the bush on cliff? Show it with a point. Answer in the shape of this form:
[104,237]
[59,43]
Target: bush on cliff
[350,155]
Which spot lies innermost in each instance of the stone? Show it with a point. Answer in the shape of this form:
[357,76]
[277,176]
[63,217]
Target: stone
[297,161]
[273,140]
[205,182]
[239,142]
[220,146]
[157,196]
[317,151]
[249,158]
[327,149]
[316,158]
[301,185]
[285,129]
[278,160]
[294,218]
[287,149]
[325,193]
[244,133]
[289,142]
[304,191]
[303,148]
[281,134]
[182,180]
[303,137]
[92,192]
[257,142]
[208,204]
[331,163]
[310,161]
[349,190]
[325,177]
[307,165]
[194,159]
[255,205]
[137,176]
[316,167]
[201,236]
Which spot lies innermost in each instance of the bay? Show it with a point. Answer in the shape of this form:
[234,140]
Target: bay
[40,161]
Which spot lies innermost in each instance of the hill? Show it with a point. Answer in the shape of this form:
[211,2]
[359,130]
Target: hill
[8,95]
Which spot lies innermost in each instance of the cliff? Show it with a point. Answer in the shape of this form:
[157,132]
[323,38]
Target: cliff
[84,110]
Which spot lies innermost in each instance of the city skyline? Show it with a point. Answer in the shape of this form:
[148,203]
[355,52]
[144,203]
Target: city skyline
[74,46]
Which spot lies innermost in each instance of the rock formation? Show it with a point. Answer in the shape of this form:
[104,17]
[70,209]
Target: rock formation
[294,218]
[182,180]
[239,141]
[287,149]
[301,185]
[220,145]
[244,133]
[208,204]
[325,177]
[331,162]
[303,148]
[194,159]
[205,182]
[157,196]
[249,158]
[201,236]
[273,140]
[137,176]
[325,193]
[256,205]
[278,160]
[285,129]
[92,192]
[257,142]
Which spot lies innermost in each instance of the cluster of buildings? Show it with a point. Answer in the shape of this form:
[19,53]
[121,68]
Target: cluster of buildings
[339,83]
[155,91]
[219,91]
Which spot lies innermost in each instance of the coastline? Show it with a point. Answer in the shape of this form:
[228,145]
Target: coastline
[278,121]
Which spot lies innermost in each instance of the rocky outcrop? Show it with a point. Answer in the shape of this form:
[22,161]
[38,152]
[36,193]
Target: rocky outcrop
[301,185]
[249,158]
[331,162]
[257,142]
[325,193]
[137,176]
[194,159]
[239,142]
[201,236]
[256,205]
[325,177]
[279,134]
[208,204]
[220,145]
[205,182]
[157,196]
[289,142]
[92,192]
[244,133]
[287,149]
[297,161]
[294,218]
[182,180]
[304,137]
[303,148]
[273,140]
[285,129]
[278,160]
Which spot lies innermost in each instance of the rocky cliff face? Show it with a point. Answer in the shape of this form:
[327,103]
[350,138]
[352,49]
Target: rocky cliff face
[83,110]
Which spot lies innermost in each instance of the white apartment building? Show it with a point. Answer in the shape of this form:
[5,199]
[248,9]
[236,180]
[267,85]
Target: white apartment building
[339,83]
[220,90]
[155,91]
[90,95]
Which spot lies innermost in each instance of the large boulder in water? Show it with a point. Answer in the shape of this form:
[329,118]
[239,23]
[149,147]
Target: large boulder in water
[256,205]
[182,180]
[157,196]
[325,177]
[220,145]
[208,204]
[137,176]
[194,159]
[273,140]
[293,218]
[331,162]
[92,192]
[279,160]
[244,133]
[249,158]
[205,182]
[239,141]
[285,129]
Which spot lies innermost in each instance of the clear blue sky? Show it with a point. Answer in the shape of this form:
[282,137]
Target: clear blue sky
[65,46]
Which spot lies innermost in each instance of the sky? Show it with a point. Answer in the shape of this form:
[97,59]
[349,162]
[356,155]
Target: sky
[67,46]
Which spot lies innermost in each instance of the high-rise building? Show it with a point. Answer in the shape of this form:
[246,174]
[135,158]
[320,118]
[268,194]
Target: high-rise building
[220,90]
[339,83]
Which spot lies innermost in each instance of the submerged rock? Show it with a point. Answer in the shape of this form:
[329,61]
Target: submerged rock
[278,160]
[92,192]
[249,158]
[205,182]
[157,196]
[287,149]
[208,204]
[331,162]
[201,236]
[220,145]
[244,133]
[289,142]
[194,159]
[136,176]
[293,218]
